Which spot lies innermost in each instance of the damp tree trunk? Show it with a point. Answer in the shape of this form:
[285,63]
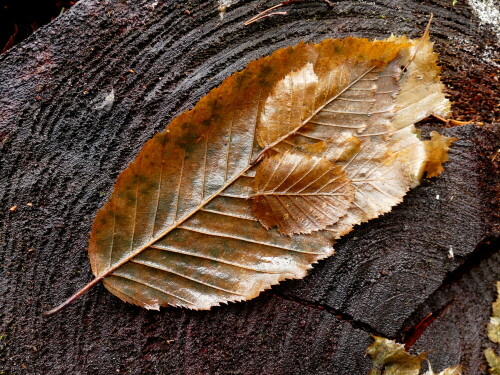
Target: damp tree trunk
[79,99]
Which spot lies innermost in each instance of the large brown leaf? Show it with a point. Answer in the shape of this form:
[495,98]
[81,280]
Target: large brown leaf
[179,228]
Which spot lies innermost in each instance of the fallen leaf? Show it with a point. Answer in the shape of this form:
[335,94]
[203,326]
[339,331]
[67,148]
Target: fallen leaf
[313,120]
[494,335]
[494,324]
[390,358]
[379,108]
[493,361]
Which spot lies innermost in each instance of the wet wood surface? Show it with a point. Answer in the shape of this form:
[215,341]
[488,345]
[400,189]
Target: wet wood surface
[81,96]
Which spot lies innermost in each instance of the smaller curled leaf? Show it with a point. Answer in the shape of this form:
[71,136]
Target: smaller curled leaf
[300,193]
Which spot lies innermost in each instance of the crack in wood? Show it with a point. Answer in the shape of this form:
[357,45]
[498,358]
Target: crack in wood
[342,316]
[410,333]
[415,332]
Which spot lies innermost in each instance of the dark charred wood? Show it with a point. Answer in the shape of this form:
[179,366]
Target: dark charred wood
[81,96]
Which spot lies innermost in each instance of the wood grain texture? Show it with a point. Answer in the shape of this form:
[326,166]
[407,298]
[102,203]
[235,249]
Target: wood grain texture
[73,115]
[459,305]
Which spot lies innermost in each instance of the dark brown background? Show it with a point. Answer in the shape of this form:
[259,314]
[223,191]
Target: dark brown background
[62,146]
[20,18]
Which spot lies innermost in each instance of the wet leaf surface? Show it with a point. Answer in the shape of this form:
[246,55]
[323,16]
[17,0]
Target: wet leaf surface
[320,136]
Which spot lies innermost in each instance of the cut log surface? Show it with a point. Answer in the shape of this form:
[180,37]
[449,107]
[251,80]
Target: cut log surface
[81,96]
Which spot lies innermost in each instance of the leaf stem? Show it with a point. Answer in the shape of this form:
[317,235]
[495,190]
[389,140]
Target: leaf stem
[74,296]
[453,122]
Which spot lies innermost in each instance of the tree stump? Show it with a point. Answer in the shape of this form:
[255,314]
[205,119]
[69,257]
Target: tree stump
[81,96]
